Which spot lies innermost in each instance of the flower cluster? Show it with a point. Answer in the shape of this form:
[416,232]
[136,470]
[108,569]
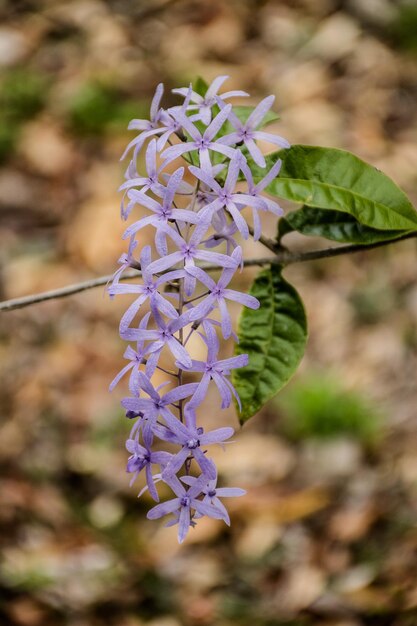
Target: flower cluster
[216,144]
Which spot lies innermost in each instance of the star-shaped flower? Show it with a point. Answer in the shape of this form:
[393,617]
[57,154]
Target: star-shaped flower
[226,197]
[156,405]
[204,104]
[142,457]
[215,369]
[146,183]
[147,127]
[246,132]
[136,358]
[212,493]
[147,290]
[200,142]
[219,293]
[188,252]
[192,439]
[125,261]
[255,190]
[183,504]
[163,212]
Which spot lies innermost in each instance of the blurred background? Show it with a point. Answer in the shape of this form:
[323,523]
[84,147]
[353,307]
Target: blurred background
[327,534]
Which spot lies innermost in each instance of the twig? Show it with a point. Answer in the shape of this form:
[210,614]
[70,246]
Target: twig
[282,257]
[268,243]
[286,257]
[63,292]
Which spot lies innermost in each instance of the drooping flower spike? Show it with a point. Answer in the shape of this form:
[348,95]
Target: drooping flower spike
[193,213]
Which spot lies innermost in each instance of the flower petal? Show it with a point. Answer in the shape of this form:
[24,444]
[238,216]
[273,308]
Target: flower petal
[243,298]
[258,114]
[164,509]
[207,509]
[183,523]
[216,436]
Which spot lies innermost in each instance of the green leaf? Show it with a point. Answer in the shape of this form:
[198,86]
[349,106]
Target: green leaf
[200,86]
[334,225]
[274,336]
[328,178]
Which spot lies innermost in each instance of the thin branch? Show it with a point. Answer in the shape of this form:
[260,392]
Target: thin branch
[287,258]
[268,243]
[20,303]
[282,257]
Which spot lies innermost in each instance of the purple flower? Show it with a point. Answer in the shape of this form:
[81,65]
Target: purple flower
[212,493]
[226,197]
[163,335]
[218,294]
[149,182]
[171,126]
[214,369]
[255,190]
[156,404]
[147,127]
[125,261]
[188,252]
[163,212]
[224,231]
[147,290]
[189,221]
[136,358]
[143,457]
[183,503]
[205,103]
[191,439]
[125,209]
[247,132]
[200,142]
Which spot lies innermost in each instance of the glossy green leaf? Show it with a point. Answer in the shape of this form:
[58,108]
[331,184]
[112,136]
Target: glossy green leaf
[334,225]
[328,178]
[274,336]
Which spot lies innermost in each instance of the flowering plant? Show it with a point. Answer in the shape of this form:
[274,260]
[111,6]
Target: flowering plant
[194,207]
[185,300]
